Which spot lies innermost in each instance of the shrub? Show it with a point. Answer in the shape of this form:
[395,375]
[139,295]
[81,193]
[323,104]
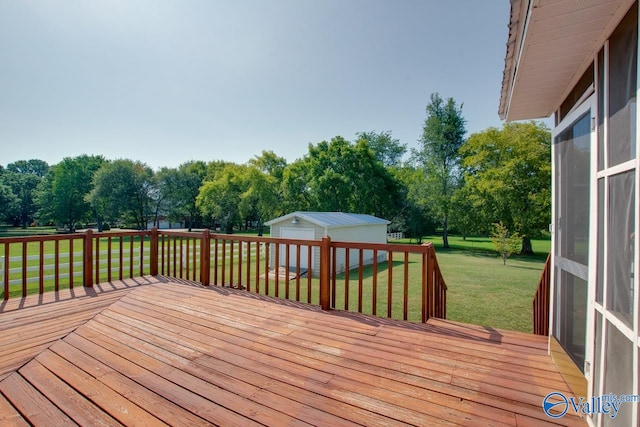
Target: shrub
[504,243]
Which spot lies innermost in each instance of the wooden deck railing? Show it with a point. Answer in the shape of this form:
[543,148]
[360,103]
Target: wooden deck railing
[541,301]
[42,263]
[388,280]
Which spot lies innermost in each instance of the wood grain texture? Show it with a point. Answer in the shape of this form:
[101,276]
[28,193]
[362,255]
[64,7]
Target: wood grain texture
[178,353]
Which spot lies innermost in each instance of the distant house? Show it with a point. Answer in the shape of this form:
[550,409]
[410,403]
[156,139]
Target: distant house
[339,226]
[578,60]
[163,224]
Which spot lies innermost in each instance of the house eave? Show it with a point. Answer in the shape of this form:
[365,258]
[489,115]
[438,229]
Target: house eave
[550,45]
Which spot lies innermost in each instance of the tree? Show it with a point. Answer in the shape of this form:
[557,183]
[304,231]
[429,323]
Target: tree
[23,177]
[341,176]
[414,217]
[295,190]
[181,187]
[466,217]
[259,201]
[8,202]
[442,135]
[505,243]
[270,163]
[62,194]
[264,198]
[507,175]
[219,198]
[122,192]
[35,167]
[386,149]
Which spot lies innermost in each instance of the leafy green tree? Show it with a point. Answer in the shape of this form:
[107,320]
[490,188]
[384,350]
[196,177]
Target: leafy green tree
[330,165]
[122,192]
[442,135]
[416,217]
[23,177]
[295,190]
[219,198]
[8,202]
[181,187]
[158,197]
[507,175]
[35,167]
[62,194]
[264,198]
[260,199]
[468,216]
[270,163]
[213,167]
[505,243]
[341,176]
[387,150]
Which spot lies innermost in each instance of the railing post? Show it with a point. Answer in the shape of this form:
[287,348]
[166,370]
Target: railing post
[325,261]
[205,258]
[424,280]
[430,280]
[153,252]
[3,288]
[5,271]
[87,258]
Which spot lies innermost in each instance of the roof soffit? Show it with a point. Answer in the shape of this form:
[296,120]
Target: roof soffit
[551,43]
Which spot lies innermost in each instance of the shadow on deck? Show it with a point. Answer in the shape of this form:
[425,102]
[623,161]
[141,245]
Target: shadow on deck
[162,351]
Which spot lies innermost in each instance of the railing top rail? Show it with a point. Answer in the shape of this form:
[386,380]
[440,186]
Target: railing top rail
[391,247]
[279,240]
[42,238]
[72,236]
[122,233]
[180,233]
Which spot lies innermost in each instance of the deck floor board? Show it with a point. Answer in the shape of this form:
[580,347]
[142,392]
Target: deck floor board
[156,351]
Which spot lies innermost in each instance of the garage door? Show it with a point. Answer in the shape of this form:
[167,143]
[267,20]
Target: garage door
[296,233]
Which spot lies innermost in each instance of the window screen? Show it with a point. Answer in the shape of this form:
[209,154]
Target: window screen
[572,190]
[623,48]
[571,315]
[619,365]
[576,93]
[620,246]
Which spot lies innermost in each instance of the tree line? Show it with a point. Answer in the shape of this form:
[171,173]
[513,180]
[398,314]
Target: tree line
[449,182]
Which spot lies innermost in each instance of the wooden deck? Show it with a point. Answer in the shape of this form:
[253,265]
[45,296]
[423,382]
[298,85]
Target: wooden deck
[154,352]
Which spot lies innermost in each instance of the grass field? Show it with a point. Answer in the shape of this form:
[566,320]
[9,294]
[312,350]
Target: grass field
[6,231]
[481,290]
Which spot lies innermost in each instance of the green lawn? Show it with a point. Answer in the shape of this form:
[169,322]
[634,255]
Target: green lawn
[6,231]
[483,291]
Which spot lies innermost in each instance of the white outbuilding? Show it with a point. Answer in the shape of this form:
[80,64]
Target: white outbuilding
[339,226]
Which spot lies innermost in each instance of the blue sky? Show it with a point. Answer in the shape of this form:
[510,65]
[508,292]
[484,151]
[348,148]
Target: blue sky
[165,82]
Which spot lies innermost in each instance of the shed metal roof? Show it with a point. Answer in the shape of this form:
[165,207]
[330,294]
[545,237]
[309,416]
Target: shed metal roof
[332,219]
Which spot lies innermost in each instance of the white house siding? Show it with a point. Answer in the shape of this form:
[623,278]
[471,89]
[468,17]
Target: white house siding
[369,233]
[363,234]
[319,234]
[164,225]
